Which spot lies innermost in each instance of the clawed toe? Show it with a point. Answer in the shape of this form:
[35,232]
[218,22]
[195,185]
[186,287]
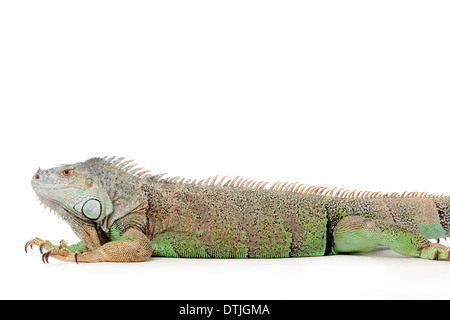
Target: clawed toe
[36,242]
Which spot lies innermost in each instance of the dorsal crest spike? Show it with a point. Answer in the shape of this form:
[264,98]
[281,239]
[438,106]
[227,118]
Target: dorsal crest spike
[258,184]
[291,186]
[128,168]
[214,180]
[238,182]
[252,183]
[281,188]
[263,185]
[135,170]
[247,184]
[123,164]
[243,183]
[234,181]
[274,185]
[142,173]
[115,162]
[221,181]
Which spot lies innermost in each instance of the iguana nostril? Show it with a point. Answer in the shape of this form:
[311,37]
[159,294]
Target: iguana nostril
[37,176]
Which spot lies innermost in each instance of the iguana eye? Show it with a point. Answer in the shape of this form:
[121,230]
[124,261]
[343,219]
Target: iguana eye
[67,172]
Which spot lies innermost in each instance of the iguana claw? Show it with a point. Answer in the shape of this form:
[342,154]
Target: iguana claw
[28,244]
[45,256]
[62,254]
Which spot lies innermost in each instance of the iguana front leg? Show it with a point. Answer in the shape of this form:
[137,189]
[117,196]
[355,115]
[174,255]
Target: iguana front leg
[63,250]
[358,234]
[133,246]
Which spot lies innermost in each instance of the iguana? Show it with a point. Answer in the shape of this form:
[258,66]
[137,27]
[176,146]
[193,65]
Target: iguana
[125,214]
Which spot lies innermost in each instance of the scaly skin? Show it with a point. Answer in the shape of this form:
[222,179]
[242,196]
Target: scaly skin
[125,215]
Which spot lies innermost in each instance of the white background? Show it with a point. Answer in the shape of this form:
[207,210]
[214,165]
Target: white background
[353,94]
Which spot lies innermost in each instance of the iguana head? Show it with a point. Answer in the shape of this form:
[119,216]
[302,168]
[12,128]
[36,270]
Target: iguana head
[73,191]
[97,192]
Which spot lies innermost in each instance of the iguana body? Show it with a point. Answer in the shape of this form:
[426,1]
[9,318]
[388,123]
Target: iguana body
[124,215]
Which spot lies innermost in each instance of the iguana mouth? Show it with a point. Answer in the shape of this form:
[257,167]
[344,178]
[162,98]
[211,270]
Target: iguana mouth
[36,181]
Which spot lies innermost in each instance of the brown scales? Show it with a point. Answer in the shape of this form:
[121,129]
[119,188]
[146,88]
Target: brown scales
[240,182]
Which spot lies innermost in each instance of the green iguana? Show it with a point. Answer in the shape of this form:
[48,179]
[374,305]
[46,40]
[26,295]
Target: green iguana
[123,214]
